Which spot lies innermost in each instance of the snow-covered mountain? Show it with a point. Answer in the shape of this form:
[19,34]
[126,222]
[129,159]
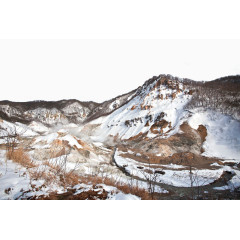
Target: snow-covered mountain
[164,116]
[60,112]
[161,90]
[50,113]
[156,109]
[158,131]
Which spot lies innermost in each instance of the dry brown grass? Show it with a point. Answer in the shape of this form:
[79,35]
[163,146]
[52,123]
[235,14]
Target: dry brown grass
[54,174]
[71,178]
[125,188]
[93,195]
[42,173]
[21,157]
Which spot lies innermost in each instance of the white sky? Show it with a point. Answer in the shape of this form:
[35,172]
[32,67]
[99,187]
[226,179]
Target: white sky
[102,69]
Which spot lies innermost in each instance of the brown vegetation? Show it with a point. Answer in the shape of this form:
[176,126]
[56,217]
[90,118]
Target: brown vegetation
[21,157]
[98,192]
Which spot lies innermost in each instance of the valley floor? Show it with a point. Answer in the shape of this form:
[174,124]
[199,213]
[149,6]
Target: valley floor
[122,181]
[75,162]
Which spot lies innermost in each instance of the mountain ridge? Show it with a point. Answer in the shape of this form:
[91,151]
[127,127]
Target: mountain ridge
[172,137]
[90,110]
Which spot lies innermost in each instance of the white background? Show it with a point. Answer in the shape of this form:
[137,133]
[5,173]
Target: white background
[99,70]
[114,20]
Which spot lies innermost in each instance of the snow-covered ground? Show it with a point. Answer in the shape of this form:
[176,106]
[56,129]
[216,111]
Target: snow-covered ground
[15,181]
[38,127]
[223,134]
[48,139]
[178,178]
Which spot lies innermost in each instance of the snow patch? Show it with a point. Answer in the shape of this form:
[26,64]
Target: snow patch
[223,134]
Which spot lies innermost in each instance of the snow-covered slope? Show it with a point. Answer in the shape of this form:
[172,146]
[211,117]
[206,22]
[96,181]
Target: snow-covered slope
[157,108]
[10,111]
[47,116]
[16,128]
[111,105]
[223,134]
[50,113]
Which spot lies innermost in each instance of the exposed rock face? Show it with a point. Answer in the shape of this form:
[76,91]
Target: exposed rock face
[10,111]
[203,132]
[174,95]
[190,92]
[133,107]
[158,126]
[189,141]
[75,110]
[47,116]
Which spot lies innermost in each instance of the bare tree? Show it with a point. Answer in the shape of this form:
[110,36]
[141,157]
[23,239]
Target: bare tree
[151,177]
[11,135]
[60,165]
[196,183]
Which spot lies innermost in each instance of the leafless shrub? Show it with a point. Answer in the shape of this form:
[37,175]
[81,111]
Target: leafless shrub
[151,177]
[12,135]
[196,183]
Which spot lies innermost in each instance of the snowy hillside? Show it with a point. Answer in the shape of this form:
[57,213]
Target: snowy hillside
[51,113]
[223,139]
[156,109]
[170,138]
